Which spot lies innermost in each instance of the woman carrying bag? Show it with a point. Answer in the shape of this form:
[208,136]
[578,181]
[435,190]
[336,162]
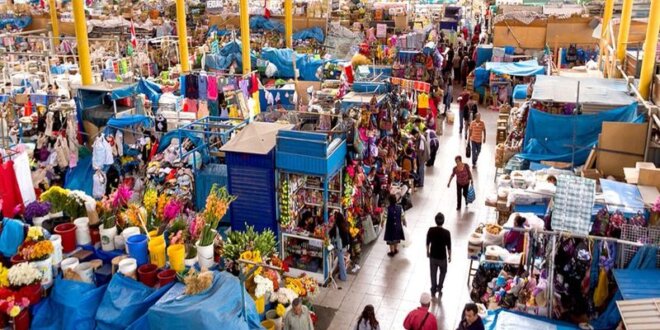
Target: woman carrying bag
[463,181]
[394,225]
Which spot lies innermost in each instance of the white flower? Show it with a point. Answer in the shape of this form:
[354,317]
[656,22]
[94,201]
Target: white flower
[23,274]
[264,285]
[283,296]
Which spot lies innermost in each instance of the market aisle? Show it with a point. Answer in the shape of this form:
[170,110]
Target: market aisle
[393,285]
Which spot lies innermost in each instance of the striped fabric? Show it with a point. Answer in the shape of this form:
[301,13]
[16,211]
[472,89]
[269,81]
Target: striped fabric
[573,204]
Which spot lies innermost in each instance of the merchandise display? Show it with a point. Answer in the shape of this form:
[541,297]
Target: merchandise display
[185,164]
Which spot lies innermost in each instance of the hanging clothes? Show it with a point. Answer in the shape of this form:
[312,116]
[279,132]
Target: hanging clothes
[213,108]
[10,192]
[212,88]
[24,178]
[101,153]
[192,86]
[203,89]
[189,105]
[203,110]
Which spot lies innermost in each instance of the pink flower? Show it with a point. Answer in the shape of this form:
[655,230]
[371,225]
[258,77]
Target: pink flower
[121,196]
[172,209]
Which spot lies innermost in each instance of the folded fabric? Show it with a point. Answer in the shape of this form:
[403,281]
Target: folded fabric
[12,236]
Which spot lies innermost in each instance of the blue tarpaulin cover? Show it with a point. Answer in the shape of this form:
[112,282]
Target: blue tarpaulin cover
[16,22]
[221,305]
[151,90]
[131,120]
[523,69]
[262,23]
[520,92]
[311,33]
[638,283]
[512,320]
[622,197]
[71,305]
[126,300]
[230,52]
[550,137]
[481,77]
[283,60]
[13,233]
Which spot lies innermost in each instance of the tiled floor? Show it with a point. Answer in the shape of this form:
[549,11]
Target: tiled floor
[393,285]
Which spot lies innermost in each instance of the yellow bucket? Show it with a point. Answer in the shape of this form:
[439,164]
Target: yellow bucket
[177,255]
[268,324]
[157,252]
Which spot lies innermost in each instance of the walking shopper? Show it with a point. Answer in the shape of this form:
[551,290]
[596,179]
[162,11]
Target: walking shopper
[477,133]
[421,318]
[463,111]
[298,318]
[422,153]
[449,95]
[471,319]
[463,180]
[340,232]
[396,219]
[434,145]
[438,250]
[367,320]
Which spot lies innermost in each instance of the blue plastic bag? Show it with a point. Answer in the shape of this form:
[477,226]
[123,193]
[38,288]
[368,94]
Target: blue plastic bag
[471,196]
[221,305]
[72,305]
[125,301]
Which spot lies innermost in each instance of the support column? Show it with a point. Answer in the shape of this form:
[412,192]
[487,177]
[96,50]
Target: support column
[182,33]
[650,48]
[54,23]
[624,30]
[605,28]
[80,24]
[245,36]
[288,23]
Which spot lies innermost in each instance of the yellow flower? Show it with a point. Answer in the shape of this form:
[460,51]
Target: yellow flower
[4,280]
[280,309]
[14,311]
[34,233]
[247,255]
[150,199]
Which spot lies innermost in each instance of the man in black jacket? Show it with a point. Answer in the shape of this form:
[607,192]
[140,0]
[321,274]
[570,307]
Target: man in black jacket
[438,249]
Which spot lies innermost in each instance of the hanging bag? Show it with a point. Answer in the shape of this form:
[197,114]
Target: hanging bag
[468,151]
[471,196]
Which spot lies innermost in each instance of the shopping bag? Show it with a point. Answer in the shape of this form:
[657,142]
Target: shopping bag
[471,196]
[602,288]
[468,150]
[407,239]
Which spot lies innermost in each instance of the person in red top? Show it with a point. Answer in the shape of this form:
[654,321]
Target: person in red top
[421,318]
[463,180]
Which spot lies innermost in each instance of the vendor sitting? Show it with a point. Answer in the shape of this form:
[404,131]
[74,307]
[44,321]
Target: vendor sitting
[307,221]
[514,240]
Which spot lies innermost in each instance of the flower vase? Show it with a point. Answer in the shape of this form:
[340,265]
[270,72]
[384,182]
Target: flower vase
[45,267]
[83,236]
[56,240]
[32,292]
[21,321]
[108,238]
[272,315]
[654,219]
[205,256]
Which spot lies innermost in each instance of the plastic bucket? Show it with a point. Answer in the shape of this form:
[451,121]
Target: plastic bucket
[137,248]
[177,255]
[268,324]
[68,233]
[157,252]
[147,274]
[166,277]
[82,231]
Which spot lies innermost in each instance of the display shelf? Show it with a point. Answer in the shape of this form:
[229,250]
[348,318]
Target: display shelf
[296,246]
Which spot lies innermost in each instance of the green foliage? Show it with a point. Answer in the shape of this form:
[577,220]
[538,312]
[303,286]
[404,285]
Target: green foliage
[239,242]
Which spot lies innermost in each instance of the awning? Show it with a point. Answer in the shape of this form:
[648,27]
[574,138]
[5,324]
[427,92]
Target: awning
[256,138]
[593,91]
[522,69]
[638,283]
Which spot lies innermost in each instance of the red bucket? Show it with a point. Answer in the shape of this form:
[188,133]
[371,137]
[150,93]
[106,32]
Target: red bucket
[32,292]
[147,274]
[166,277]
[22,321]
[68,233]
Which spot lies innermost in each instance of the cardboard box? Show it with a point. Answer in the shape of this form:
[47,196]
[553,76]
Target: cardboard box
[591,173]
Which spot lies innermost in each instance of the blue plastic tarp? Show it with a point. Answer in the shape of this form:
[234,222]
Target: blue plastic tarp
[622,197]
[80,177]
[283,60]
[481,77]
[262,23]
[520,92]
[221,305]
[131,120]
[512,320]
[152,90]
[228,53]
[13,233]
[16,22]
[311,33]
[123,92]
[550,137]
[71,305]
[125,300]
[638,283]
[522,69]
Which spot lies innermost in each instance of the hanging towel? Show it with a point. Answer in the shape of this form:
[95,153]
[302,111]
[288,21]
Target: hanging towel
[212,88]
[12,236]
[24,178]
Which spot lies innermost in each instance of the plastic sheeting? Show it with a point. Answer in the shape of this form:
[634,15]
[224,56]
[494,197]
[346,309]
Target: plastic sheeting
[481,77]
[80,177]
[16,22]
[12,236]
[283,60]
[262,23]
[71,305]
[311,33]
[131,120]
[520,92]
[510,320]
[610,92]
[125,300]
[152,90]
[221,305]
[228,53]
[521,69]
[550,137]
[638,283]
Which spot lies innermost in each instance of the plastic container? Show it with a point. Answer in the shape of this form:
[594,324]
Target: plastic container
[205,256]
[268,324]
[157,251]
[69,263]
[177,255]
[147,274]
[128,267]
[86,272]
[137,248]
[83,236]
[68,233]
[45,267]
[56,240]
[166,277]
[108,238]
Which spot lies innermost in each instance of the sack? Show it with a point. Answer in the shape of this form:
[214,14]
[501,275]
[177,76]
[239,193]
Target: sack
[471,196]
[407,238]
[468,151]
[601,292]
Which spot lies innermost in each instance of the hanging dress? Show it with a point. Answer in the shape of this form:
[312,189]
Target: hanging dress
[9,190]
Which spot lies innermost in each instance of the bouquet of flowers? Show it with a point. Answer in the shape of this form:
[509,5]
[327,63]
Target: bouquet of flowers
[36,247]
[239,242]
[75,203]
[283,296]
[13,306]
[264,286]
[655,207]
[23,274]
[57,197]
[217,204]
[36,209]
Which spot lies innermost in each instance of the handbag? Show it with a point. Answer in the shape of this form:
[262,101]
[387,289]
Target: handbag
[468,151]
[471,196]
